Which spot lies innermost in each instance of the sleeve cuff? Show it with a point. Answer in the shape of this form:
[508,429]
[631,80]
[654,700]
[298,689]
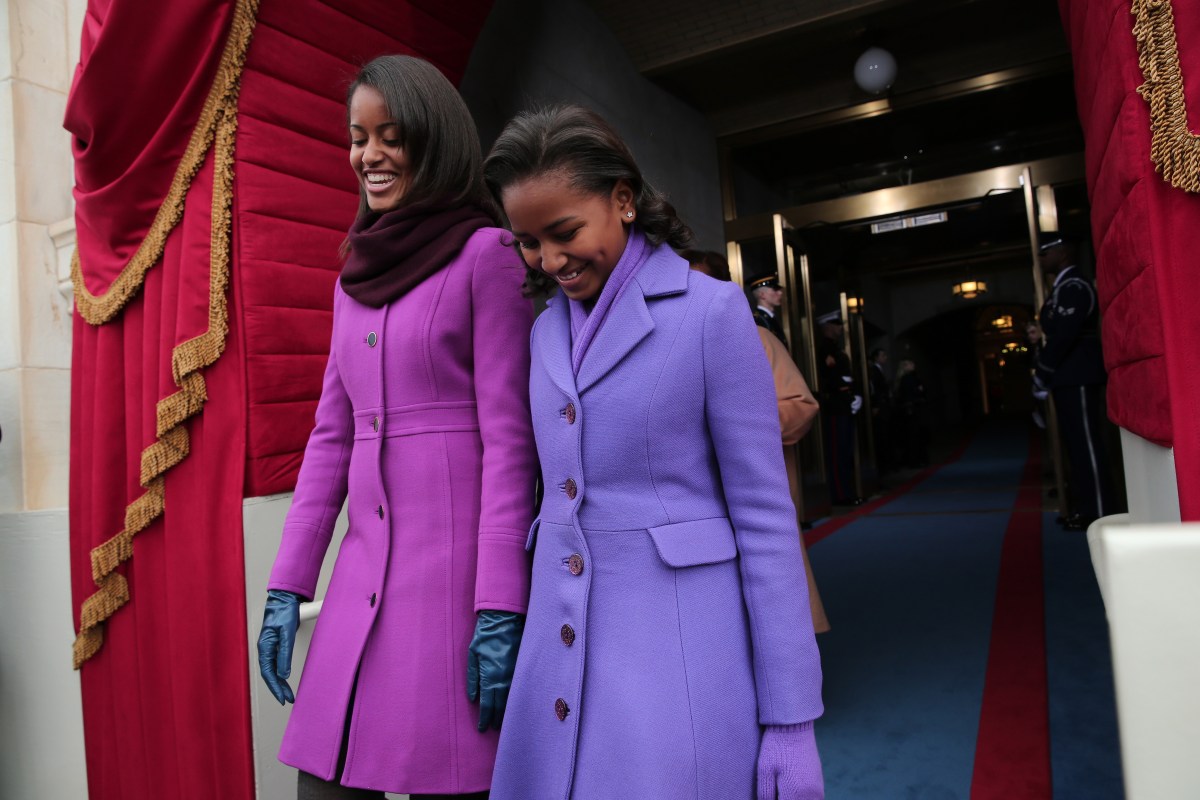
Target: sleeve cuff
[502,576]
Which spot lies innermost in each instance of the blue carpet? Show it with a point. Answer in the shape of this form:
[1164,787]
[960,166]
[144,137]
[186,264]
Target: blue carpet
[910,600]
[959,501]
[1085,759]
[910,592]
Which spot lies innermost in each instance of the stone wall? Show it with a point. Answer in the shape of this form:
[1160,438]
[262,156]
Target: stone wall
[41,744]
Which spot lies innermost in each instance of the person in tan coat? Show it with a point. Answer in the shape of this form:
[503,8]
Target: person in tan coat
[797,412]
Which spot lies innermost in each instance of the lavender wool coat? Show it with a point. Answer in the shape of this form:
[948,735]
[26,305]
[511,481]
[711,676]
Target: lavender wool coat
[669,613]
[423,428]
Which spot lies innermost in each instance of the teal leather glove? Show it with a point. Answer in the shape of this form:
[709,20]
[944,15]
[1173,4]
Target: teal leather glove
[280,621]
[491,661]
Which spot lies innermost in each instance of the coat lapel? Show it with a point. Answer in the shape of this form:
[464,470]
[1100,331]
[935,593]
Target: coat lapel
[629,320]
[556,345]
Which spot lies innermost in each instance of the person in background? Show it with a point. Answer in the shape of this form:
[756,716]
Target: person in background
[1070,365]
[423,430]
[797,413]
[708,262]
[880,393]
[911,430]
[840,401]
[669,650]
[767,295]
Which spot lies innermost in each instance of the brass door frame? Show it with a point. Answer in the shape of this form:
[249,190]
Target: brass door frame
[901,199]
[796,314]
[858,329]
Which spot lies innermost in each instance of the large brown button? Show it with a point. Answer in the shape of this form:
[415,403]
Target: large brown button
[569,413]
[575,564]
[568,635]
[372,339]
[379,511]
[375,424]
[560,709]
[570,488]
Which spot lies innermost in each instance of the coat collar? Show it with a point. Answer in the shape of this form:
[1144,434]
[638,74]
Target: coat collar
[628,323]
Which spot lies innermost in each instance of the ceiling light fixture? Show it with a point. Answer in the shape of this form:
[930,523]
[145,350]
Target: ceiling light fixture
[875,70]
[969,290]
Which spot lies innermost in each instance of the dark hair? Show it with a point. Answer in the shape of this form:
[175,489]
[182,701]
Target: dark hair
[875,351]
[436,132]
[580,144]
[715,265]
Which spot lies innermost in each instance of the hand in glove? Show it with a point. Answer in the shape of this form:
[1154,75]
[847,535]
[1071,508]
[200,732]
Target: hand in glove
[856,404]
[1040,391]
[789,767]
[491,661]
[280,621]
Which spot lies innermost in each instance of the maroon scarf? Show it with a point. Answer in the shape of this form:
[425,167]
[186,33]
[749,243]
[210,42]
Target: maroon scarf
[393,252]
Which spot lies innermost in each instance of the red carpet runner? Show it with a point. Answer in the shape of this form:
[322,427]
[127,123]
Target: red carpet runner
[1012,752]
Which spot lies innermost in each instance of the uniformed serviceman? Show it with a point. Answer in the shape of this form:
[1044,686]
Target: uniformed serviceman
[840,400]
[767,295]
[1070,366]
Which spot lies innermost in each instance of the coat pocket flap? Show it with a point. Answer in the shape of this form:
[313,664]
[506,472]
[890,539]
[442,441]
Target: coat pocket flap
[689,544]
[532,537]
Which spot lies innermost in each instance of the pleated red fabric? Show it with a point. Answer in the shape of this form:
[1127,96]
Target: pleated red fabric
[166,705]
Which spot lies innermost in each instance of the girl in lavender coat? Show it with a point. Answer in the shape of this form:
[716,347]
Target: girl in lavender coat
[423,429]
[669,650]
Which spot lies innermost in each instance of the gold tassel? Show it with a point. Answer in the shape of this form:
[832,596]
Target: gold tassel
[1174,150]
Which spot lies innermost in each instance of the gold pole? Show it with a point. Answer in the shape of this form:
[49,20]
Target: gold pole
[1039,294]
[781,270]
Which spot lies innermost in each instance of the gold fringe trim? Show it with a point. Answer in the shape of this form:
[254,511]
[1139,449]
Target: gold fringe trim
[1174,149]
[98,309]
[187,358]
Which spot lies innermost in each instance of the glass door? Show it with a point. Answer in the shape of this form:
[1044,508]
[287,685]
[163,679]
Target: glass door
[781,254]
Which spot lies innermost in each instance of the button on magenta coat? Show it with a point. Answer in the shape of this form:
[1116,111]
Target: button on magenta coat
[667,545]
[423,430]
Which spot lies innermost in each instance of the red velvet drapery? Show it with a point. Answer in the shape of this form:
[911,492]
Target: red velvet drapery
[187,394]
[1142,226]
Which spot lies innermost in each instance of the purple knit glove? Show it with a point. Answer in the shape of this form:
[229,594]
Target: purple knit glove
[789,767]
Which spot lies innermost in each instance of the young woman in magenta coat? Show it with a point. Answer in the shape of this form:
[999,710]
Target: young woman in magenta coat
[423,430]
[669,649]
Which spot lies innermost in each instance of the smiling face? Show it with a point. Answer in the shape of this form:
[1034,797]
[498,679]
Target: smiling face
[376,154]
[573,236]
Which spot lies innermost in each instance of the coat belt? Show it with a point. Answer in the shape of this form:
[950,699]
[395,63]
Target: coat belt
[418,418]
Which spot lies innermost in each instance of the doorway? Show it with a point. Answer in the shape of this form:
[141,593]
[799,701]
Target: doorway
[941,278]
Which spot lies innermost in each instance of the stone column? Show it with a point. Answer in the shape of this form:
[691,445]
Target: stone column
[41,743]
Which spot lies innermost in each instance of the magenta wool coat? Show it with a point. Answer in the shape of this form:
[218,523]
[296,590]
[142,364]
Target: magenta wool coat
[423,430]
[669,614]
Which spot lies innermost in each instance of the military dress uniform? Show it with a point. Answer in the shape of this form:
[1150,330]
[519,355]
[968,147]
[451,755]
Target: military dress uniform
[763,317]
[1071,366]
[881,415]
[837,415]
